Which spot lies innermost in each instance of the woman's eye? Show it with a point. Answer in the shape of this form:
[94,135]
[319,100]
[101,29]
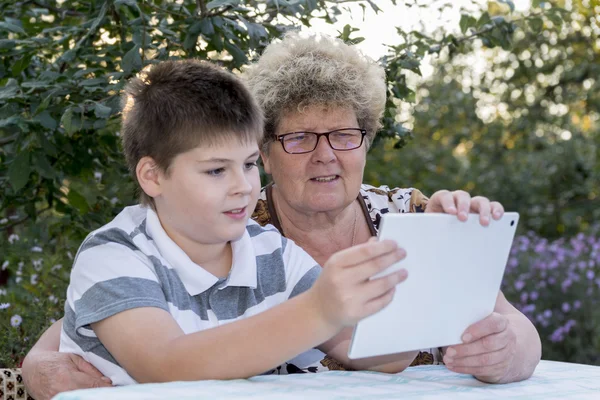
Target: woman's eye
[216,172]
[251,165]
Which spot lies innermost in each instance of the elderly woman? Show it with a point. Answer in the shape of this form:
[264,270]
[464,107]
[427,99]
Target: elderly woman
[323,101]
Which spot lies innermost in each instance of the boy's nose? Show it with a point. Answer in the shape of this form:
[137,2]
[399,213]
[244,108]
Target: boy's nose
[242,184]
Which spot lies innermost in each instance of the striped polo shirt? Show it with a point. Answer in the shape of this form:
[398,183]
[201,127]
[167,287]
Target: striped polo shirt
[131,262]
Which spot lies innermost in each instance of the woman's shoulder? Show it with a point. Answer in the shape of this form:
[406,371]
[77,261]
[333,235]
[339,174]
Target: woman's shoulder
[261,212]
[394,200]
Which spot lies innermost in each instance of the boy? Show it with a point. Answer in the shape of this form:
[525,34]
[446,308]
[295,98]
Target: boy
[185,286]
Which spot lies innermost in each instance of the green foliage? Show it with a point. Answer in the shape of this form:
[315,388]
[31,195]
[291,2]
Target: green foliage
[519,125]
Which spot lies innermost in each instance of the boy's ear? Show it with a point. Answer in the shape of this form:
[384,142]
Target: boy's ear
[148,176]
[265,162]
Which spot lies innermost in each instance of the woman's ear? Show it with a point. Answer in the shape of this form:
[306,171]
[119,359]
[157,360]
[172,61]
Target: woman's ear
[265,161]
[148,176]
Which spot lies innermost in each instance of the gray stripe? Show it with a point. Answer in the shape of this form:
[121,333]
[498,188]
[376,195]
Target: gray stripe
[113,235]
[176,293]
[306,281]
[255,230]
[113,296]
[232,302]
[85,343]
[141,229]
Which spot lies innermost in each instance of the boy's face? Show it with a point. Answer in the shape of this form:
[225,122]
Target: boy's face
[209,194]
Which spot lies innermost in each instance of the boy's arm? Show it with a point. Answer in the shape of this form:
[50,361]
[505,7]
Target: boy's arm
[150,345]
[338,346]
[47,372]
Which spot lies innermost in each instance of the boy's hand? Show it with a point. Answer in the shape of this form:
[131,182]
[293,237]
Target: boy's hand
[344,292]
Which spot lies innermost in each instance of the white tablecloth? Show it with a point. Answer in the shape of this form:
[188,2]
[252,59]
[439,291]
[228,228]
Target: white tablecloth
[552,380]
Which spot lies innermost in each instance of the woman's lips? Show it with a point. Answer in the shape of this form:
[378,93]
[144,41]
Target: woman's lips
[325,179]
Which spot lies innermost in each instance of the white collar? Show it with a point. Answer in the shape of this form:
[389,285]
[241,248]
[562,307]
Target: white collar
[195,278]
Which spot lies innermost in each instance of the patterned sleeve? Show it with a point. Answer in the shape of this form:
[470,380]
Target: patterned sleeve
[418,201]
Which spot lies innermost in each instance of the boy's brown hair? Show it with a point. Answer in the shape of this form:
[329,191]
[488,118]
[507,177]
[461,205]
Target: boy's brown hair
[177,106]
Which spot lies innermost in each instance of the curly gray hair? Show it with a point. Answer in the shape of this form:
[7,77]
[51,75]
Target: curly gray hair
[303,71]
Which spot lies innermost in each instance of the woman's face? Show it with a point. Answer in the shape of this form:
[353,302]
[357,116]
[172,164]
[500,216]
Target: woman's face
[323,180]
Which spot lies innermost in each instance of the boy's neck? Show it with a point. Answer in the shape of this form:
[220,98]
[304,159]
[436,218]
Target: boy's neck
[214,258]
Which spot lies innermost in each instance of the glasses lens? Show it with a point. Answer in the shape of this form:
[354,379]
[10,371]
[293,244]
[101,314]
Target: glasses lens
[345,139]
[300,142]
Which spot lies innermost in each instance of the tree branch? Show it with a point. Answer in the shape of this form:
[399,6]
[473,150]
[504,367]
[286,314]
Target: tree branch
[23,219]
[60,11]
[7,140]
[201,7]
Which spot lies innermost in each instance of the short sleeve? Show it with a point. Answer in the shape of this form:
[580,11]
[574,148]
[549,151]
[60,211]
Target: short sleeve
[418,201]
[111,276]
[301,269]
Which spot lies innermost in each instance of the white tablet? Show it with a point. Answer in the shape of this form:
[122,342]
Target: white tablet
[454,274]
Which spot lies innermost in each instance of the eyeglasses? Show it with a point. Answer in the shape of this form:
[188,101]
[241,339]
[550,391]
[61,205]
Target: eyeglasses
[340,139]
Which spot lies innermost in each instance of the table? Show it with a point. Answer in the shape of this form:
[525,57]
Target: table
[552,380]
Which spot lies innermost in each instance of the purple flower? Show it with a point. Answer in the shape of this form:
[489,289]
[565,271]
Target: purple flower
[566,307]
[577,305]
[533,295]
[590,275]
[547,313]
[524,297]
[557,335]
[519,285]
[529,308]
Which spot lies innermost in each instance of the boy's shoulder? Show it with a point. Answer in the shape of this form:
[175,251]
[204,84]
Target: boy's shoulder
[130,222]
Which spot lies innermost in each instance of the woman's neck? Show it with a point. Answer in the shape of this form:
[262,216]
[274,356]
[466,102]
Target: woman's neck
[321,234]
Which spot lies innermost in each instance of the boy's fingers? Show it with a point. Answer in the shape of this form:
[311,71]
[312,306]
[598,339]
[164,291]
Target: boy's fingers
[377,287]
[363,253]
[366,270]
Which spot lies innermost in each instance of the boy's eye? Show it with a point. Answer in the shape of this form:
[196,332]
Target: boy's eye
[216,172]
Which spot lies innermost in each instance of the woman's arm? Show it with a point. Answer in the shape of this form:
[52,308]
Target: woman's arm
[338,346]
[46,372]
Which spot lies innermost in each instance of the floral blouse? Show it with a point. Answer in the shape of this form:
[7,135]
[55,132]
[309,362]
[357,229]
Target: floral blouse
[375,201]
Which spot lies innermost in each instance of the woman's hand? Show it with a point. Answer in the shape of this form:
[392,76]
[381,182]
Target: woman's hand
[460,203]
[47,373]
[488,350]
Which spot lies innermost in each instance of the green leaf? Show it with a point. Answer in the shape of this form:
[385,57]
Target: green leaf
[11,27]
[43,167]
[78,201]
[21,64]
[18,171]
[536,24]
[132,60]
[466,22]
[221,3]
[9,90]
[67,121]
[238,55]
[483,20]
[102,111]
[92,82]
[46,120]
[8,121]
[555,18]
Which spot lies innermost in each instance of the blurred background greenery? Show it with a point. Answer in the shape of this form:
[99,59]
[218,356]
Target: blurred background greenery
[509,111]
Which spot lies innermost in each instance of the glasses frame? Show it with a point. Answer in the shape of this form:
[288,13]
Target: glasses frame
[326,134]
